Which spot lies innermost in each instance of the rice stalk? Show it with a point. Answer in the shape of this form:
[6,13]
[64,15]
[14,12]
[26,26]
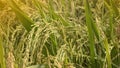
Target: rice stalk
[108,57]
[39,6]
[56,16]
[113,14]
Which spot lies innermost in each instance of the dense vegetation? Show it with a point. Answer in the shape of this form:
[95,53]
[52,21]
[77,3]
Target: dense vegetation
[59,34]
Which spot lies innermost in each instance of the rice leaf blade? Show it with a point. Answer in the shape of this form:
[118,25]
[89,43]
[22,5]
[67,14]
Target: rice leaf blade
[25,20]
[90,32]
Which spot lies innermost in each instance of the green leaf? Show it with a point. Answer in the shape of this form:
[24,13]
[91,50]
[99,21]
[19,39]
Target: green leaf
[25,20]
[91,32]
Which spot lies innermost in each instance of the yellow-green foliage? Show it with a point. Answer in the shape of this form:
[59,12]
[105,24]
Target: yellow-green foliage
[59,34]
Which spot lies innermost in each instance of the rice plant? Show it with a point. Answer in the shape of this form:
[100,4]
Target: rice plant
[59,34]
